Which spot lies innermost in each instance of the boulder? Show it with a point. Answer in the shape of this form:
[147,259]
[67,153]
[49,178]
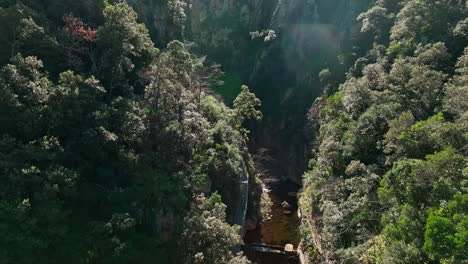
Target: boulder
[286,205]
[288,248]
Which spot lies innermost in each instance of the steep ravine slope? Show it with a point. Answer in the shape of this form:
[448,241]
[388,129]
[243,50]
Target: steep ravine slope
[309,35]
[111,151]
[388,180]
[351,199]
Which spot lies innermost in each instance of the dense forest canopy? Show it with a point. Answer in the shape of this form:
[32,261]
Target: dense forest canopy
[112,150]
[122,140]
[388,181]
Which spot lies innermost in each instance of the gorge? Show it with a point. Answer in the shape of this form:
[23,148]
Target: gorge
[234,131]
[283,72]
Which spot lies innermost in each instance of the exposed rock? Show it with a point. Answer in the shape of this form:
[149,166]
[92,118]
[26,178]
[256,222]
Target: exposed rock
[250,224]
[157,18]
[286,205]
[289,248]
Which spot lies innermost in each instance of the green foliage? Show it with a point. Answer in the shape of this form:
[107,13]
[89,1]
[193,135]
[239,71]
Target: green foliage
[206,237]
[177,12]
[461,30]
[424,182]
[125,46]
[245,105]
[446,233]
[420,19]
[106,145]
[455,99]
[23,31]
[377,21]
[401,49]
[428,136]
[325,76]
[391,155]
[39,192]
[328,80]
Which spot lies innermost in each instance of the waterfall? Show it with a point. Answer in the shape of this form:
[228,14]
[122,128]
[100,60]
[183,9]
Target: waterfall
[244,197]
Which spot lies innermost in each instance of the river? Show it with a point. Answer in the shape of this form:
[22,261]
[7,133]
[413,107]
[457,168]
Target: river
[280,229]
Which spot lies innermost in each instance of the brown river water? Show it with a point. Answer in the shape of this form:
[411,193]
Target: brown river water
[282,228]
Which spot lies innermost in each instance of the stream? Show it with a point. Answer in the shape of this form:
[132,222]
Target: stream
[265,244]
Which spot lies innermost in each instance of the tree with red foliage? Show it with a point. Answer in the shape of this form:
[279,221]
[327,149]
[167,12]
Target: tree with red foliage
[79,40]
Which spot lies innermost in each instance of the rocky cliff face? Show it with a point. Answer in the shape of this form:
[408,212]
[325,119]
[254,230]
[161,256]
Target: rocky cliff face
[310,37]
[282,70]
[158,19]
